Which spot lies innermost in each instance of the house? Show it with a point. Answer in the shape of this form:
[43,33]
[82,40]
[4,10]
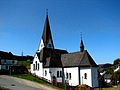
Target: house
[117,68]
[7,60]
[60,66]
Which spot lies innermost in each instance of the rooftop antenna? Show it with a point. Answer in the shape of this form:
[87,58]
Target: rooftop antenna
[22,53]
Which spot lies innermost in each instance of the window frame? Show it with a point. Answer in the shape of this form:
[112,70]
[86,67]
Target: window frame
[85,75]
[45,72]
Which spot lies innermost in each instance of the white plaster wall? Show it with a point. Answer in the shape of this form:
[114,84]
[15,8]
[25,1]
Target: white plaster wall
[48,75]
[31,68]
[94,71]
[54,73]
[74,75]
[38,72]
[87,81]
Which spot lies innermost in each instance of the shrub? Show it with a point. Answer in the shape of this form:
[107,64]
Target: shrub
[83,87]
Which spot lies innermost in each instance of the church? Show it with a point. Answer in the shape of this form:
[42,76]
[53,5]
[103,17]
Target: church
[61,66]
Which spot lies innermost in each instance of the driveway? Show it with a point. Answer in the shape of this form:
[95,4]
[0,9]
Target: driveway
[14,83]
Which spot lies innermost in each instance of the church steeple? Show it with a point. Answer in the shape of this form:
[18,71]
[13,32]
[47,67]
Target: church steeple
[81,45]
[46,40]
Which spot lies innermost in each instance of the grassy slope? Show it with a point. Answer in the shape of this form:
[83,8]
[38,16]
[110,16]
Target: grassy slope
[32,78]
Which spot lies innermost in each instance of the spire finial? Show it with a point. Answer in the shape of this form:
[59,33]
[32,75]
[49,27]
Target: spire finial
[46,11]
[81,35]
[81,44]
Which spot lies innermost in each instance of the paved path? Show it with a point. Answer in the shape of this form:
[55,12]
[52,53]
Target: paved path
[20,84]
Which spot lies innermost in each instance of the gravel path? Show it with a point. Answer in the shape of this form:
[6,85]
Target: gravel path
[21,84]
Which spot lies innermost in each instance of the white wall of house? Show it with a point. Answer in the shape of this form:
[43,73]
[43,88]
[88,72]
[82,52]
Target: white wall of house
[50,72]
[72,79]
[46,74]
[37,67]
[6,63]
[85,79]
[94,71]
[54,73]
[91,77]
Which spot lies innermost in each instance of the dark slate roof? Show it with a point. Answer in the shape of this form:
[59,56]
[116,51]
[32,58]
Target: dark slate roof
[47,33]
[77,59]
[53,62]
[49,52]
[6,55]
[60,58]
[10,56]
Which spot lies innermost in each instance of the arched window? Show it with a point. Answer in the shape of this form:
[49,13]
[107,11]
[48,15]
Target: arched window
[45,73]
[33,67]
[36,65]
[85,76]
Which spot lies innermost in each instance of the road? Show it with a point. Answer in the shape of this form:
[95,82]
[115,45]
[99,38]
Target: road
[14,83]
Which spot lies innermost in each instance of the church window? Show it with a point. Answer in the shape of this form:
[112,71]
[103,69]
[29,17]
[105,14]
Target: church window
[57,73]
[66,75]
[36,65]
[70,76]
[45,73]
[60,73]
[33,67]
[85,76]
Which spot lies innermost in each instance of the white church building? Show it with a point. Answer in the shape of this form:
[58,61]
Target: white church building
[58,65]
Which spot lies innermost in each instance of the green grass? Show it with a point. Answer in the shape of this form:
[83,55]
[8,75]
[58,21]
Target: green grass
[112,88]
[33,78]
[29,77]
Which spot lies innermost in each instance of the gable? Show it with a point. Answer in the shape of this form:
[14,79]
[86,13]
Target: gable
[87,60]
[76,59]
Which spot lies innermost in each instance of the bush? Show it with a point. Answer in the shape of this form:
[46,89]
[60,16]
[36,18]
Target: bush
[83,87]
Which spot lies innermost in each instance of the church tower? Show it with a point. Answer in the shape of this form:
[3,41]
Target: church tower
[81,46]
[46,40]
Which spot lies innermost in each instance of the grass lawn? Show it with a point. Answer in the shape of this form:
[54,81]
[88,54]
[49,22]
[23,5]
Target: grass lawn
[33,78]
[107,88]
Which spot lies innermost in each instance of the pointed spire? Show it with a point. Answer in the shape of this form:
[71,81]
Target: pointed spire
[47,36]
[81,45]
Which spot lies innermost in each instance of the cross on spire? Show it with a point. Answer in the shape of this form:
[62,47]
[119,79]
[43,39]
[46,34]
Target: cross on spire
[81,44]
[46,11]
[81,35]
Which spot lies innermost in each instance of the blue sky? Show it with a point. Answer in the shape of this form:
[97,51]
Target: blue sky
[22,21]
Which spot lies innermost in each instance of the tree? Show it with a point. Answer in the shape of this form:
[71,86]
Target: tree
[109,70]
[115,78]
[116,61]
